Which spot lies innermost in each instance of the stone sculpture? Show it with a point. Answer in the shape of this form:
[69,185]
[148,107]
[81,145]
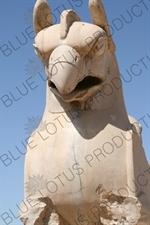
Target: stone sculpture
[87,165]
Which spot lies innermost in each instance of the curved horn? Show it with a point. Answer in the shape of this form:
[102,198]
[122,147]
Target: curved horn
[42,16]
[67,19]
[99,18]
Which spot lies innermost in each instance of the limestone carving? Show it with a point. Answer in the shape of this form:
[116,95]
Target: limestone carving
[87,166]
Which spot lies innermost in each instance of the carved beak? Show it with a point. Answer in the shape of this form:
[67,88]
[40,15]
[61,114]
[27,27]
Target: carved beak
[67,76]
[65,68]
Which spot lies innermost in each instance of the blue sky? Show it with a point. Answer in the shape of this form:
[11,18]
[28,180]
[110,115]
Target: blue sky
[21,70]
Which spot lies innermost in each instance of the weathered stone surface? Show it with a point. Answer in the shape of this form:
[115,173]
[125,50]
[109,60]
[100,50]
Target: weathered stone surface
[116,209]
[85,163]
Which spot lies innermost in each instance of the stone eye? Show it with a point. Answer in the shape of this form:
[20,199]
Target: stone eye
[99,46]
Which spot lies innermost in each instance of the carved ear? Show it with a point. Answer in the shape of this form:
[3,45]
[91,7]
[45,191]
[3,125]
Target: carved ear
[67,19]
[99,18]
[42,16]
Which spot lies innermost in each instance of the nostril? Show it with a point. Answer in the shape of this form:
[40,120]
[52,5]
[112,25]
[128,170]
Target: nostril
[76,58]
